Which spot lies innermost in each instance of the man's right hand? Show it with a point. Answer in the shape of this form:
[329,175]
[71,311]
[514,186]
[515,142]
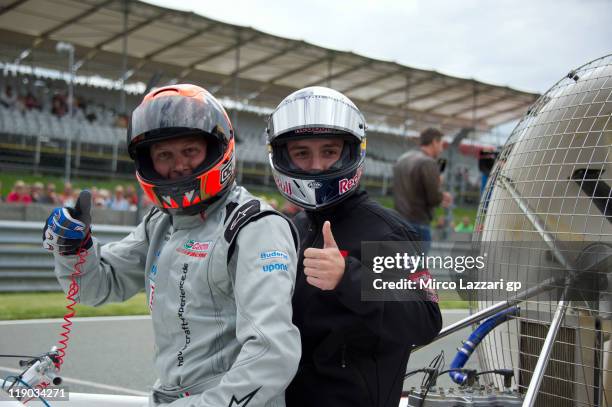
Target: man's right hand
[68,229]
[447,199]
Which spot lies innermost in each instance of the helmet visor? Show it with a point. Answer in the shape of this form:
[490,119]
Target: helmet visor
[172,115]
[349,153]
[307,110]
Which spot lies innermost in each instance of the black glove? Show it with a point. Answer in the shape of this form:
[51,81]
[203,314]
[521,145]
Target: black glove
[68,229]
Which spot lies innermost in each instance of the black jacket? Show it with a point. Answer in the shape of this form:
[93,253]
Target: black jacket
[354,353]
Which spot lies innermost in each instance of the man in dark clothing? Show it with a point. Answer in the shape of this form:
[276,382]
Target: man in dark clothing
[354,352]
[417,184]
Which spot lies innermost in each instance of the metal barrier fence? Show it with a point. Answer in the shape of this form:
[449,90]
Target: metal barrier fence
[26,266]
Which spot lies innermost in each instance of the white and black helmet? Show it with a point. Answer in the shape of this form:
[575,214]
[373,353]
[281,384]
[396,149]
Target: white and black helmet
[317,112]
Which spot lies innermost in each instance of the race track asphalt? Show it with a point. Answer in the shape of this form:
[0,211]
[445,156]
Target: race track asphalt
[113,355]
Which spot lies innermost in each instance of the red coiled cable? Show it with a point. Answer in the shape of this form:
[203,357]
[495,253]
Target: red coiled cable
[73,290]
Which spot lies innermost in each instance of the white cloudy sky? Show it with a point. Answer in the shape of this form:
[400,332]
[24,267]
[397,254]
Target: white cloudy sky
[524,44]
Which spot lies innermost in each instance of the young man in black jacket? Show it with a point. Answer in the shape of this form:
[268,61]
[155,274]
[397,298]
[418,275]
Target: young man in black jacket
[354,352]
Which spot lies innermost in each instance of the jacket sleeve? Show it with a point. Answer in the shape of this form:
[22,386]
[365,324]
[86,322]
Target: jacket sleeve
[416,320]
[270,343]
[112,272]
[431,182]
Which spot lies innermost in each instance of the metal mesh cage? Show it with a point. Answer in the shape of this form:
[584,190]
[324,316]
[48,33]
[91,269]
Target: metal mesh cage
[547,212]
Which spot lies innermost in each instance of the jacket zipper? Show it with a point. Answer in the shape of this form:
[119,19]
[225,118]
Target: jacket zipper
[343,357]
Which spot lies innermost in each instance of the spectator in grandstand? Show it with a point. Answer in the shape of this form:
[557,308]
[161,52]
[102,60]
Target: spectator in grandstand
[417,188]
[59,107]
[354,352]
[101,198]
[30,102]
[8,98]
[465,226]
[118,201]
[45,100]
[90,111]
[219,293]
[37,191]
[19,194]
[67,197]
[95,192]
[131,196]
[49,196]
[78,112]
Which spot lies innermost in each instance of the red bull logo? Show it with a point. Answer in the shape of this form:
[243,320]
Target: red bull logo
[347,184]
[284,186]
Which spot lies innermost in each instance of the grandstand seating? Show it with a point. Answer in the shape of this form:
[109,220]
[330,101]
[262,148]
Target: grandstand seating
[102,139]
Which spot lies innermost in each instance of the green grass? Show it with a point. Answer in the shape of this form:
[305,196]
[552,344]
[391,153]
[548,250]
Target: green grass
[451,300]
[53,305]
[458,213]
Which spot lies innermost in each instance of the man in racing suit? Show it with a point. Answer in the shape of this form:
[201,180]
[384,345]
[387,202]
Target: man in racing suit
[218,265]
[354,352]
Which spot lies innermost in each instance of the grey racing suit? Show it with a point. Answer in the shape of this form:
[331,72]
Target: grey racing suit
[223,326]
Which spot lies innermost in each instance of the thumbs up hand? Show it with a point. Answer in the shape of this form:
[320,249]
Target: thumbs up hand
[324,267]
[67,230]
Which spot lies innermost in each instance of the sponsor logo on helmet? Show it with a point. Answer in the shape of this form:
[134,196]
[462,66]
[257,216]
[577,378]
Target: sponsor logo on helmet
[227,170]
[346,184]
[194,249]
[314,184]
[317,130]
[268,268]
[274,254]
[284,186]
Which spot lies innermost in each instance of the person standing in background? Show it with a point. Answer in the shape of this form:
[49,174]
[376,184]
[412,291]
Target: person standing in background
[417,187]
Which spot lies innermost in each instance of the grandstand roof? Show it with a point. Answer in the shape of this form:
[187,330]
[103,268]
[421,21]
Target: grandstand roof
[242,63]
